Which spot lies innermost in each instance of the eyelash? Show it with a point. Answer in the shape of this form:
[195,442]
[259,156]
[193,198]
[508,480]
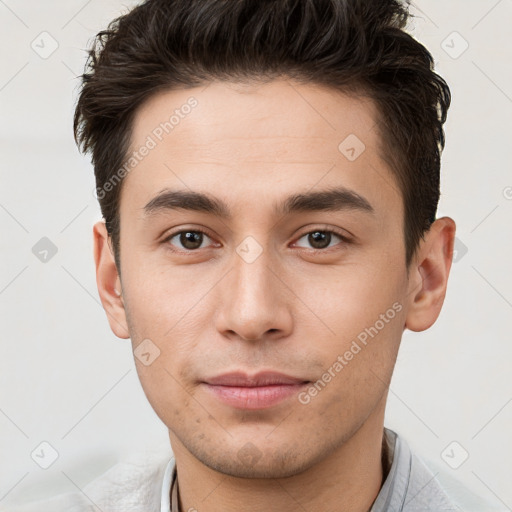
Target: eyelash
[344,240]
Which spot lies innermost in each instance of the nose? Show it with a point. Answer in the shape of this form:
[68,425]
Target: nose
[254,302]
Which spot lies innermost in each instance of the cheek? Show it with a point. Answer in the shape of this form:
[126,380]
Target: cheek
[167,398]
[164,299]
[364,316]
[350,299]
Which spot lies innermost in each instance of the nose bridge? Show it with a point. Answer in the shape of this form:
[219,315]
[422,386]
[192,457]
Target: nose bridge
[253,301]
[253,279]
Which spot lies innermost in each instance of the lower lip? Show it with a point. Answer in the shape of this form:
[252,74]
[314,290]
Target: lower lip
[255,397]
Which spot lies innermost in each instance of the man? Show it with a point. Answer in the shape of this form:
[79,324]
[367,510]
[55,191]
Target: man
[268,172]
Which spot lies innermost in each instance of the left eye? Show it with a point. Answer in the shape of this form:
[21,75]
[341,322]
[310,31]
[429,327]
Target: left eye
[320,239]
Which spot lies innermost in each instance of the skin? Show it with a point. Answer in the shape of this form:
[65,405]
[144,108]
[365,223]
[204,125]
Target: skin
[292,310]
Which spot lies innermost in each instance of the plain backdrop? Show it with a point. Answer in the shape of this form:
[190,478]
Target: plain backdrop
[66,380]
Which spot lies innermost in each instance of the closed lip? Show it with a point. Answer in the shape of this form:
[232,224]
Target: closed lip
[242,379]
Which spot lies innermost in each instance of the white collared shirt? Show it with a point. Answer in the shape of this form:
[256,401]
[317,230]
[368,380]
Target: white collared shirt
[410,486]
[143,483]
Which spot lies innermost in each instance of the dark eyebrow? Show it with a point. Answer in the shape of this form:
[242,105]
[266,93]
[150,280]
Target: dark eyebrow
[336,199]
[186,200]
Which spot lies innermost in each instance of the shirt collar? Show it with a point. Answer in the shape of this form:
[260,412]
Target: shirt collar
[169,489]
[392,494]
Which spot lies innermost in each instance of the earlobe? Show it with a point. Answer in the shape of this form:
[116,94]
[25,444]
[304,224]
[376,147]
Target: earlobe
[429,276]
[108,282]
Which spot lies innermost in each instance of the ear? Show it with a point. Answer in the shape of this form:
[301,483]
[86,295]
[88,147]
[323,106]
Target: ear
[429,275]
[108,281]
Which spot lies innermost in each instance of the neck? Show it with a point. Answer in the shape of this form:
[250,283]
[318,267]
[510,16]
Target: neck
[348,479]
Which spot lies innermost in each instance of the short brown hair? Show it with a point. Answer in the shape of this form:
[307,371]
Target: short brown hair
[349,45]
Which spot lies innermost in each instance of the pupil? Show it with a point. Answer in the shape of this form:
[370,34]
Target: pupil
[191,239]
[319,239]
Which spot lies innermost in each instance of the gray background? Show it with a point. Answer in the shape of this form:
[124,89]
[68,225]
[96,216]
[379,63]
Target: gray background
[65,379]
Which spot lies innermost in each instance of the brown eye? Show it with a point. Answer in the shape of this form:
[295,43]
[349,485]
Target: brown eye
[189,240]
[320,239]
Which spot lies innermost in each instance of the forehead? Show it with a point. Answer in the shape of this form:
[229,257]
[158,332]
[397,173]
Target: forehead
[259,139]
[261,111]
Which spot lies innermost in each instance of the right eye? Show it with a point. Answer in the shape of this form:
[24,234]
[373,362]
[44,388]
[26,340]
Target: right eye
[189,239]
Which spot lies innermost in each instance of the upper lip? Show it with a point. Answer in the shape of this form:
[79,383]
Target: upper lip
[242,379]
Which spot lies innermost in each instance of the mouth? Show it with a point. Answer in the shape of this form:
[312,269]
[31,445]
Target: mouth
[259,391]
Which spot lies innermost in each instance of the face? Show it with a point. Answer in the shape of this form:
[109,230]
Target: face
[286,254]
